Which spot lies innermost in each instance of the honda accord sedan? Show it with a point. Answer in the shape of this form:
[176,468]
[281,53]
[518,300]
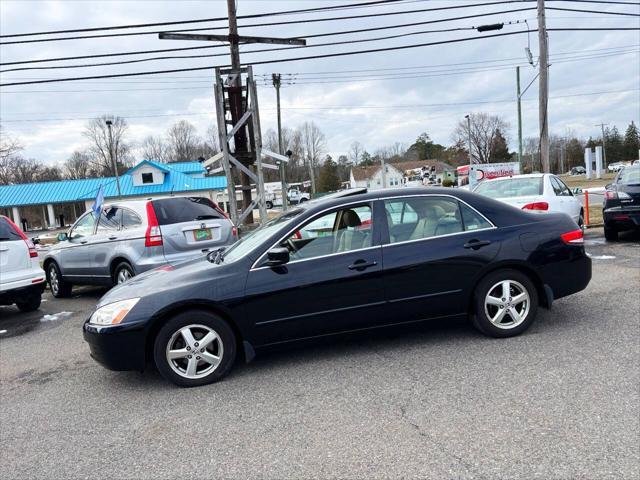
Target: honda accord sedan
[381,258]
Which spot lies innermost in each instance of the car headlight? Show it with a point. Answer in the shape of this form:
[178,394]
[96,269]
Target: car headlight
[113,313]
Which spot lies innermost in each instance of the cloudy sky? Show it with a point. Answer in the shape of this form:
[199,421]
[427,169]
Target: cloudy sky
[375,98]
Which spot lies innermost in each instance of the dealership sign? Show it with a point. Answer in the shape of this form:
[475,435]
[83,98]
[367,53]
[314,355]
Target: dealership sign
[487,171]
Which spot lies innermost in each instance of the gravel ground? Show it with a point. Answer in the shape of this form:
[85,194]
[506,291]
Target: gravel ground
[435,401]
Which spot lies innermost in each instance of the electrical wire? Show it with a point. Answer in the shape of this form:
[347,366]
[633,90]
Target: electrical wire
[600,12]
[204,20]
[290,22]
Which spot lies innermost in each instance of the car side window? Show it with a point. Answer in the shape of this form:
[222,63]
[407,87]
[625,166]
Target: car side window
[84,226]
[434,217]
[130,219]
[109,220]
[340,231]
[559,188]
[472,220]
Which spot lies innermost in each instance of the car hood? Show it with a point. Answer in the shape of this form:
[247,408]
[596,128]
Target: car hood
[170,278]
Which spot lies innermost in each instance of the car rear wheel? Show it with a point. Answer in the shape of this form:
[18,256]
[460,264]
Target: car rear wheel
[195,348]
[31,304]
[506,304]
[59,287]
[122,273]
[610,233]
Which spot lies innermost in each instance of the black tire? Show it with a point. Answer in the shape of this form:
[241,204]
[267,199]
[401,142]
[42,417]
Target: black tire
[60,288]
[31,304]
[610,234]
[488,285]
[269,204]
[122,273]
[169,333]
[302,200]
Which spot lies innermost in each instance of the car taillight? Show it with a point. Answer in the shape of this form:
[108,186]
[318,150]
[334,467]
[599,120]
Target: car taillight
[33,253]
[536,206]
[234,231]
[574,237]
[611,195]
[153,237]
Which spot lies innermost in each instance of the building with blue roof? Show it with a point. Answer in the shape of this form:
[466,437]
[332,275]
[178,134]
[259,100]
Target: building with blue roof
[56,204]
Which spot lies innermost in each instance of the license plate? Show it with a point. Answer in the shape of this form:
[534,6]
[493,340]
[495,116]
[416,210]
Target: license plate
[202,235]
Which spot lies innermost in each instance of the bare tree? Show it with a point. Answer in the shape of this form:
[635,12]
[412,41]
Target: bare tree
[97,133]
[213,139]
[183,141]
[483,132]
[10,147]
[314,144]
[78,166]
[355,152]
[156,149]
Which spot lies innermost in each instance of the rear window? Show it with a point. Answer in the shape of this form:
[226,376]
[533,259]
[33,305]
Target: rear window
[7,233]
[629,176]
[511,187]
[184,209]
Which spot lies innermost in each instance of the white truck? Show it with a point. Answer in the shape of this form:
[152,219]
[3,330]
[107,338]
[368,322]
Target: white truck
[294,196]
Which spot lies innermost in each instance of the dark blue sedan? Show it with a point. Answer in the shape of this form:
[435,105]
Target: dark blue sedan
[357,261]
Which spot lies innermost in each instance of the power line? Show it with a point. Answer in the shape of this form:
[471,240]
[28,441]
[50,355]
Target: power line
[293,59]
[602,12]
[335,107]
[263,50]
[290,22]
[335,78]
[344,32]
[204,20]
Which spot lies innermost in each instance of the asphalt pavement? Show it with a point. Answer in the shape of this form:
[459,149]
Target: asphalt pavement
[434,401]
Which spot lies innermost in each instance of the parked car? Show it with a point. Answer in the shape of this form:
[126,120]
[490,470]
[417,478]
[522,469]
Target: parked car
[578,171]
[621,208]
[294,196]
[427,253]
[537,192]
[635,162]
[615,167]
[131,237]
[22,281]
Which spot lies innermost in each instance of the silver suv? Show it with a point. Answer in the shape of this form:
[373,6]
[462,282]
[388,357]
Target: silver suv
[130,237]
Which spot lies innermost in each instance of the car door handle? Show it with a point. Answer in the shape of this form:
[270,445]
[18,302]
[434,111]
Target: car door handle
[361,265]
[113,238]
[83,241]
[476,244]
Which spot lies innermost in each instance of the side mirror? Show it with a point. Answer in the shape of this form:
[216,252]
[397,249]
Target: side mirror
[577,190]
[63,237]
[608,186]
[277,256]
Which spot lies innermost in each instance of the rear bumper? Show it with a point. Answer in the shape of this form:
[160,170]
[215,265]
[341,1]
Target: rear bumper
[567,277]
[120,347]
[20,294]
[622,217]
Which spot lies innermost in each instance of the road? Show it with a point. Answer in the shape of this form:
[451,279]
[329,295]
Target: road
[436,401]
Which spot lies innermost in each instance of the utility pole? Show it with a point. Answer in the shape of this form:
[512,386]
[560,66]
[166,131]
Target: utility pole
[468,117]
[604,151]
[519,117]
[543,94]
[247,150]
[283,182]
[384,172]
[113,160]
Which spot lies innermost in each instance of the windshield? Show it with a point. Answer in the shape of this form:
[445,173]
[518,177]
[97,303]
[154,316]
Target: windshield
[511,187]
[629,176]
[253,239]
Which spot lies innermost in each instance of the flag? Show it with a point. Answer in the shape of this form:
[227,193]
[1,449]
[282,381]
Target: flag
[97,203]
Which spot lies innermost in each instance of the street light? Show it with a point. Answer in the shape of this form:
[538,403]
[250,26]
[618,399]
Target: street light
[113,162]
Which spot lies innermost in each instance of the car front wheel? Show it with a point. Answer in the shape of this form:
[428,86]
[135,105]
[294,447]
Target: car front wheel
[506,304]
[122,273]
[195,348]
[59,287]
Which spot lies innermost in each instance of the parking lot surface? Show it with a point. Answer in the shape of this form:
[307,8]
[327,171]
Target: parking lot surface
[434,401]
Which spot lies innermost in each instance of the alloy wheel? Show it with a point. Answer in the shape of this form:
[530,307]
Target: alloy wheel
[194,351]
[54,282]
[507,304]
[123,275]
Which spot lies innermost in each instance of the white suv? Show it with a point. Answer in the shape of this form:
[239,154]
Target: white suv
[22,280]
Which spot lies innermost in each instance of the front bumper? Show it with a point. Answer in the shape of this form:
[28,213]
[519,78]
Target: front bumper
[119,347]
[622,217]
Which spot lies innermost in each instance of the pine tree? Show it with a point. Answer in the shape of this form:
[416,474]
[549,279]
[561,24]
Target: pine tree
[631,143]
[499,148]
[328,180]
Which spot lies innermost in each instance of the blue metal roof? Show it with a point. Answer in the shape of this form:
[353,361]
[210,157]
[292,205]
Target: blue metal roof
[79,190]
[187,167]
